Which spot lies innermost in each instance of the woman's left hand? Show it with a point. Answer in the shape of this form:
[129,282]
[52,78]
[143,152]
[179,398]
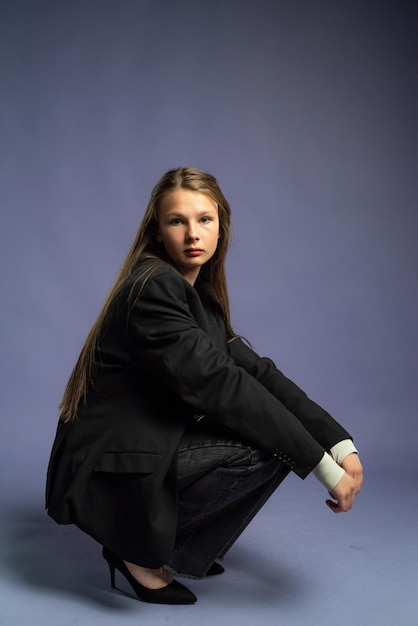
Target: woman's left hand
[351,464]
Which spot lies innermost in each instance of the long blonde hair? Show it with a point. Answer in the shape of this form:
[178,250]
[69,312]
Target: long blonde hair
[145,245]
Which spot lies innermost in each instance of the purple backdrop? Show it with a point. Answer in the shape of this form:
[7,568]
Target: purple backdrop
[306,113]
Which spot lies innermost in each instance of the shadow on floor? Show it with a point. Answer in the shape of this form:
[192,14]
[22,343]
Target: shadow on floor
[60,559]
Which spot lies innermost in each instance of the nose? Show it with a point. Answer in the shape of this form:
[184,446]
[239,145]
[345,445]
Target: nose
[191,234]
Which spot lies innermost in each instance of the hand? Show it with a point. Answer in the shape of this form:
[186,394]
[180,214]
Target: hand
[351,464]
[344,493]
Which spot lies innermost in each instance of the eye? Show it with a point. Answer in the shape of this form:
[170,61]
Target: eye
[175,221]
[205,219]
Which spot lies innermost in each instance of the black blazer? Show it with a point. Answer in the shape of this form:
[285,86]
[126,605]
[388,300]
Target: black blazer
[162,358]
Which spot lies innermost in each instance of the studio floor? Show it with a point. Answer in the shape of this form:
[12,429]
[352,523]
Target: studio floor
[296,564]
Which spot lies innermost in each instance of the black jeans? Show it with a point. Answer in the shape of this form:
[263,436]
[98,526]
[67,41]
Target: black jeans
[223,483]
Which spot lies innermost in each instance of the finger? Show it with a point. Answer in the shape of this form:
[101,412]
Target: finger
[341,506]
[333,506]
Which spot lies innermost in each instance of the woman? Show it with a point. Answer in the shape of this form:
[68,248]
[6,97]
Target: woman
[173,432]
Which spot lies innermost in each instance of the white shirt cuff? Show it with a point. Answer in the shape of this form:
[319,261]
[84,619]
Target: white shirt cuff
[342,449]
[328,472]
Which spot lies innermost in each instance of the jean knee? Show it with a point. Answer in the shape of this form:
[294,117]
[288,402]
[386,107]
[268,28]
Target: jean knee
[247,457]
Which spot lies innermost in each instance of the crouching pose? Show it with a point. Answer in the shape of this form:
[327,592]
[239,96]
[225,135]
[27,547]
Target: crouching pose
[173,433]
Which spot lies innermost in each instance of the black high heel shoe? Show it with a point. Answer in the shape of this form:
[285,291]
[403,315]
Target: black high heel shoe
[174,593]
[215,569]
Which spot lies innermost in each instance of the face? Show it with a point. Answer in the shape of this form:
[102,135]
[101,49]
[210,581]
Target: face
[188,227]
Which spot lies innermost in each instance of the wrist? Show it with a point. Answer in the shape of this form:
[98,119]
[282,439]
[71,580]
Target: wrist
[342,449]
[328,472]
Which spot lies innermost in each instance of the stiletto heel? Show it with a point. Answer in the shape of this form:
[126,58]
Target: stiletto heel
[112,575]
[174,593]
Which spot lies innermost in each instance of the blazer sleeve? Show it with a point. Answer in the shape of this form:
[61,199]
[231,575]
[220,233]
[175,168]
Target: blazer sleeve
[165,339]
[324,428]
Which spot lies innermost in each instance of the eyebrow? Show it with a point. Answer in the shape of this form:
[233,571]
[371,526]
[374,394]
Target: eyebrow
[176,213]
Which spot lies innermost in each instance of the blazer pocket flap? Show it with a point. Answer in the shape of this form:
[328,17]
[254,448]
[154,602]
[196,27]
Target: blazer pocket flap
[128,462]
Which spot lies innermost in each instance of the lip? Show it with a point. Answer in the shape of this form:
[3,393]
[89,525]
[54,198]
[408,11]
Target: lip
[193,251]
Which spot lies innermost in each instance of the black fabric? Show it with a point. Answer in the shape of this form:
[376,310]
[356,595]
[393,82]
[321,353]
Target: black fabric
[163,358]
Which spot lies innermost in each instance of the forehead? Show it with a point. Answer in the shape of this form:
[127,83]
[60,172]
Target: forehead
[187,200]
